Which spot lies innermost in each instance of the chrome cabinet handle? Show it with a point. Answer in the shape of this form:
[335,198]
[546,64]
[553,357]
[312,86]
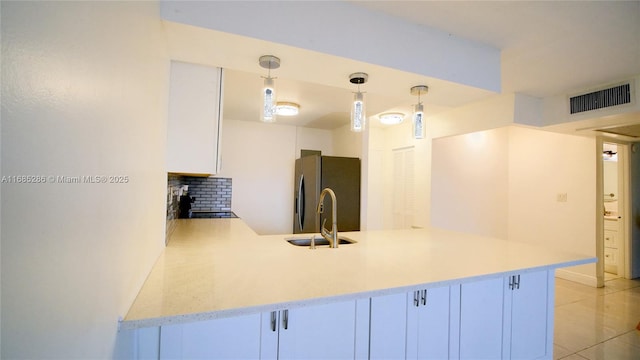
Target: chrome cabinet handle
[514,282]
[285,319]
[424,297]
[416,299]
[273,321]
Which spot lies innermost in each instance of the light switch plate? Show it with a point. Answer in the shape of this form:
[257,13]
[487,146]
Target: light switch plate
[562,197]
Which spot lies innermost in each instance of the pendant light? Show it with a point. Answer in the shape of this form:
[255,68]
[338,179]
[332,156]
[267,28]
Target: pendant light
[418,112]
[268,113]
[358,114]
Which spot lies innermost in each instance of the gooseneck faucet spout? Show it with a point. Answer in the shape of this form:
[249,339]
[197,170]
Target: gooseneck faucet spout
[331,236]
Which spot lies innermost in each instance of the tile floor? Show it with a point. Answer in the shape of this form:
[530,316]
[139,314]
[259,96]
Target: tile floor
[597,323]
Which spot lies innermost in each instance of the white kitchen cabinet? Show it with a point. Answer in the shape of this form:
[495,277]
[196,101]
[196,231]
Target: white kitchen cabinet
[147,342]
[195,118]
[388,327]
[228,338]
[507,318]
[314,332]
[428,324]
[528,314]
[611,248]
[411,325]
[333,331]
[481,307]
[500,318]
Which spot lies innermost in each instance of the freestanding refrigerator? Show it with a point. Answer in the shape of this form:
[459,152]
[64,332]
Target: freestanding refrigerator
[313,174]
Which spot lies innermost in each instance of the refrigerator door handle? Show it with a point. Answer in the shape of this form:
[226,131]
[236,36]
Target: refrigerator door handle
[300,203]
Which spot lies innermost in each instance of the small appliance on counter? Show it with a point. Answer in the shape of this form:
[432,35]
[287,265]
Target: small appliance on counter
[185,203]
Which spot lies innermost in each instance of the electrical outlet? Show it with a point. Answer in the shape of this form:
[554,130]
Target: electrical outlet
[562,197]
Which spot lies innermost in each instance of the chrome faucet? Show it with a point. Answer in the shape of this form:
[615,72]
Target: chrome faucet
[331,236]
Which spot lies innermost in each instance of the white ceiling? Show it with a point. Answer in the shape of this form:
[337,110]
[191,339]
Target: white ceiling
[548,48]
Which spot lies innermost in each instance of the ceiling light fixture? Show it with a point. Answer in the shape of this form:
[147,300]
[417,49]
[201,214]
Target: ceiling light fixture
[392,118]
[418,112]
[287,108]
[358,115]
[268,113]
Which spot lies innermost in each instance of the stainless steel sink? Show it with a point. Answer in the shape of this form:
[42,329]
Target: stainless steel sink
[305,240]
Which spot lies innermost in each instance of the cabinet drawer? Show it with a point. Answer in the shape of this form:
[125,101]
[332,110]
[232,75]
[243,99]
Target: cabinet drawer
[611,256]
[610,239]
[611,225]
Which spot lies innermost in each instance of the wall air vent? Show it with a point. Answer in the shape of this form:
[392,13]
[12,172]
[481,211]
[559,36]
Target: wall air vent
[616,95]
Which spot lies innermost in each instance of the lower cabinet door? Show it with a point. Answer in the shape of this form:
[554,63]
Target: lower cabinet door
[314,332]
[481,311]
[428,324]
[228,338]
[530,320]
[388,327]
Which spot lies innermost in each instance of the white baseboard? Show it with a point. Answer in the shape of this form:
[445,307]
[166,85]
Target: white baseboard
[577,277]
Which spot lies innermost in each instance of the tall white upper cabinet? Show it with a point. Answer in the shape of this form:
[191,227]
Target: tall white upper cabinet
[195,119]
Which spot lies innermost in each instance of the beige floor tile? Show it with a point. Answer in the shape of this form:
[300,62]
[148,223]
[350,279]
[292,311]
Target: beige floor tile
[597,322]
[620,284]
[560,352]
[574,357]
[612,349]
[632,338]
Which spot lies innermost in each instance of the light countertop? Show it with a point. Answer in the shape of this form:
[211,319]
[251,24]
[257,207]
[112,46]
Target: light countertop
[216,268]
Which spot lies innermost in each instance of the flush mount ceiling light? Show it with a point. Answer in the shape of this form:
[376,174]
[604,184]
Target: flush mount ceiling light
[287,108]
[418,112]
[268,113]
[392,118]
[358,116]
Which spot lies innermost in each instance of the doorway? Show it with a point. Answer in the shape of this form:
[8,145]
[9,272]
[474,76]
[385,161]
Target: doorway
[614,249]
[614,211]
[403,185]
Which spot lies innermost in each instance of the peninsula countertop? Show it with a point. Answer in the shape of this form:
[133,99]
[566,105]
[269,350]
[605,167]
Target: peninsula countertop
[213,268]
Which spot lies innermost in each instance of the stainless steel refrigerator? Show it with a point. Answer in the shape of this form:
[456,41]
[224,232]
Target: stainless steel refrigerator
[313,174]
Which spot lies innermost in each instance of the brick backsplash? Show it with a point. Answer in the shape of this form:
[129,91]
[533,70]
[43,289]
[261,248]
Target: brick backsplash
[211,193]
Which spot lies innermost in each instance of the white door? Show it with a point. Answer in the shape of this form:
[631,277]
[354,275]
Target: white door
[481,305]
[431,315]
[529,316]
[230,338]
[318,332]
[388,326]
[403,206]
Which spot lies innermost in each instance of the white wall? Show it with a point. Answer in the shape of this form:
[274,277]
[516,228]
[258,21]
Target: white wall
[374,188]
[610,178]
[314,139]
[84,88]
[469,183]
[347,143]
[505,183]
[492,113]
[543,165]
[260,158]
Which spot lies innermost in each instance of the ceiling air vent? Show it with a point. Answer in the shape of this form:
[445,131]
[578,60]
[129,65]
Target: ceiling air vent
[616,95]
